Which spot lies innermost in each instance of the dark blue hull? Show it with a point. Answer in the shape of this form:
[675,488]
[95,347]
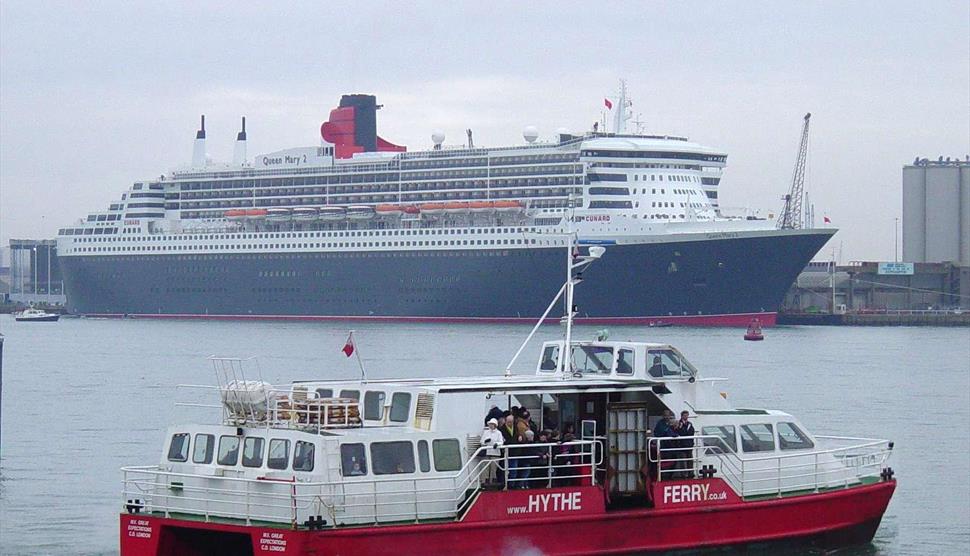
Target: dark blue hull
[707,280]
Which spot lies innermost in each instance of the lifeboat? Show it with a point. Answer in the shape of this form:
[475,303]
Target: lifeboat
[389,210]
[360,212]
[304,214]
[411,209]
[255,214]
[481,206]
[508,206]
[754,333]
[432,208]
[456,207]
[332,213]
[236,214]
[279,215]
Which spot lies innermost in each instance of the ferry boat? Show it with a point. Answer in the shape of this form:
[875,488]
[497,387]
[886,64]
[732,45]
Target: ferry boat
[398,466]
[32,314]
[361,228]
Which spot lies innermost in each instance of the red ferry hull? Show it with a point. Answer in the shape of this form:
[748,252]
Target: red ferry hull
[834,518]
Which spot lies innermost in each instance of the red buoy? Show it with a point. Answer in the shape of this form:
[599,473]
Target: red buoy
[754,331]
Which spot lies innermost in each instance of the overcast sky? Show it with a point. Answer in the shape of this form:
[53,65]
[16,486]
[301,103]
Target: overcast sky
[94,97]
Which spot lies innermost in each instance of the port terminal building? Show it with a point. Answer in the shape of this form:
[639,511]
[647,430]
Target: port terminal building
[35,275]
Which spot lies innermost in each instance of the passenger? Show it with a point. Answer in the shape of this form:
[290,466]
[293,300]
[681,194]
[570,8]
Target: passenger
[518,458]
[686,455]
[565,464]
[491,440]
[507,428]
[658,369]
[540,464]
[665,429]
[493,413]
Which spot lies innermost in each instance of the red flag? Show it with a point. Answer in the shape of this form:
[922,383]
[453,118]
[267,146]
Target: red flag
[348,348]
[826,219]
[609,105]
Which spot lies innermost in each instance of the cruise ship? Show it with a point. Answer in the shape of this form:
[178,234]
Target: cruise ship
[358,227]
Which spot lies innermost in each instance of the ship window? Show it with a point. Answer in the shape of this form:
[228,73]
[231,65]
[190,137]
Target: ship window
[353,460]
[665,362]
[757,438]
[279,453]
[203,448]
[324,392]
[373,405]
[592,359]
[390,458]
[550,359]
[252,452]
[228,450]
[400,406]
[351,394]
[790,437]
[624,362]
[447,456]
[178,449]
[725,441]
[424,459]
[303,456]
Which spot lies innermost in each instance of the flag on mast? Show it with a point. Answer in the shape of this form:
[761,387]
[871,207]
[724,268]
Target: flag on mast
[609,105]
[348,348]
[826,219]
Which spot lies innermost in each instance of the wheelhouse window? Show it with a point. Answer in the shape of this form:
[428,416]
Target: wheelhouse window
[668,363]
[350,394]
[353,460]
[390,458]
[726,440]
[400,407]
[758,437]
[228,450]
[550,359]
[592,359]
[252,452]
[204,444]
[303,456]
[373,405]
[324,392]
[178,449]
[447,455]
[279,454]
[424,458]
[624,362]
[790,437]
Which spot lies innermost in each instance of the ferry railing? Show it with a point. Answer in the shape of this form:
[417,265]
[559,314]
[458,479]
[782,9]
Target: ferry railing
[833,463]
[548,464]
[154,489]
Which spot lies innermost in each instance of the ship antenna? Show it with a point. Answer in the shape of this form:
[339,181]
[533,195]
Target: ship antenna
[574,263]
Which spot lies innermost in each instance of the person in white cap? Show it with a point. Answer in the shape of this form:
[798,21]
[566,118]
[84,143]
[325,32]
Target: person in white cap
[491,440]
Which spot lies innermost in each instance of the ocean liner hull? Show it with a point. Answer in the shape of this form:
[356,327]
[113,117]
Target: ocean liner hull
[699,279]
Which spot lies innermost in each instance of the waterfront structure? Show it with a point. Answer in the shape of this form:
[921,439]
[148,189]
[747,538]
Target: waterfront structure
[936,211]
[359,227]
[35,272]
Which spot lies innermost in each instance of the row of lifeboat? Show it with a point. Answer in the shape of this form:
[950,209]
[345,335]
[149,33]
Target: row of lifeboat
[364,212]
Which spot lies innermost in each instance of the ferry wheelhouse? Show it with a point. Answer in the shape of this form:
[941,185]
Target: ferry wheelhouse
[398,466]
[361,228]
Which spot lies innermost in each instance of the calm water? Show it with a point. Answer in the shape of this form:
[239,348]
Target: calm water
[81,398]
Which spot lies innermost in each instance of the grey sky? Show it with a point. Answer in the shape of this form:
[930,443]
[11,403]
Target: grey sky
[93,97]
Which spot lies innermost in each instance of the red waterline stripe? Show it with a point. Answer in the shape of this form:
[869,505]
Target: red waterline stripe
[738,319]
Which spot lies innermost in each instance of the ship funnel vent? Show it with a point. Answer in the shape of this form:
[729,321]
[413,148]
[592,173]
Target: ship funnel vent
[424,411]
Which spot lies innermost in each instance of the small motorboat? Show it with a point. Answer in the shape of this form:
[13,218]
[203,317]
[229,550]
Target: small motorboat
[754,333]
[659,324]
[36,315]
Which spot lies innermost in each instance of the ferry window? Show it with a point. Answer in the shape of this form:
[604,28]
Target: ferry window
[303,456]
[253,452]
[178,449]
[725,437]
[373,405]
[389,458]
[324,392]
[790,437]
[204,444]
[400,407]
[350,394]
[447,456]
[624,362]
[550,359]
[424,459]
[665,362]
[279,454]
[592,359]
[228,450]
[757,438]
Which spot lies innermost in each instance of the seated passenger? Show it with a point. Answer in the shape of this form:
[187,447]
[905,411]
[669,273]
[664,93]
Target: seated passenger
[658,369]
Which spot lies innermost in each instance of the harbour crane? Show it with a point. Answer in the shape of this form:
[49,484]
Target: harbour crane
[791,216]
